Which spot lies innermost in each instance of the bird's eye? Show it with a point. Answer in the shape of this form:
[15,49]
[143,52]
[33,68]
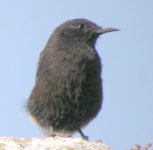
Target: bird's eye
[80,26]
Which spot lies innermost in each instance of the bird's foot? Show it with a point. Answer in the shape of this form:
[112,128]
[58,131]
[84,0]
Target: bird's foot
[54,134]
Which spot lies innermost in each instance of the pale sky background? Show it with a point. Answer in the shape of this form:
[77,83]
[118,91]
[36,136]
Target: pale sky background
[127,57]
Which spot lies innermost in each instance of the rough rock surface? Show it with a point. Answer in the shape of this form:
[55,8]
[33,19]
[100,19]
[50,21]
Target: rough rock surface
[56,143]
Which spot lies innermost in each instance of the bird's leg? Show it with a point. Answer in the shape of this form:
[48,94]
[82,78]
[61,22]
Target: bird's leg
[82,134]
[48,131]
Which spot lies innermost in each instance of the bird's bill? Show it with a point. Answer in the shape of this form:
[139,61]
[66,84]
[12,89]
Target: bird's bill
[106,30]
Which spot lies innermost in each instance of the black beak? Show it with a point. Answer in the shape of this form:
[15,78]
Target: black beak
[106,30]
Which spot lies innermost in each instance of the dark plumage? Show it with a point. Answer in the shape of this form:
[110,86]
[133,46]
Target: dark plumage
[68,89]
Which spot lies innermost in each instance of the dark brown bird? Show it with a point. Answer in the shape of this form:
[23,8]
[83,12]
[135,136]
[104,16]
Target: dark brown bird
[68,91]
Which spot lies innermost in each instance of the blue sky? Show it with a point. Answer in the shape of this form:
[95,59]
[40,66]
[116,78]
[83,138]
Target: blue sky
[127,57]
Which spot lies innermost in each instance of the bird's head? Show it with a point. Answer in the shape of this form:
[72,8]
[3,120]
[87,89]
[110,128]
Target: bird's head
[80,31]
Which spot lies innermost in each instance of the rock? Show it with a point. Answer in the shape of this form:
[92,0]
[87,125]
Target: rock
[51,143]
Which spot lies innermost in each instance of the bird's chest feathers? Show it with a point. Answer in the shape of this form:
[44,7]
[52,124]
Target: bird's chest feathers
[78,56]
[74,64]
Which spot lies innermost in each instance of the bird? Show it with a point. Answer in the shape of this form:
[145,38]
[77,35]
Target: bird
[68,91]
